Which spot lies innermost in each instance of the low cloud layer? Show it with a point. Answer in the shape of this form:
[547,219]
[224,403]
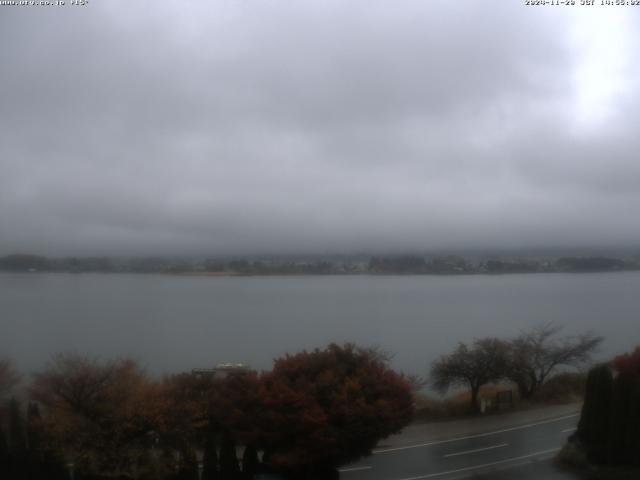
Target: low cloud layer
[316,126]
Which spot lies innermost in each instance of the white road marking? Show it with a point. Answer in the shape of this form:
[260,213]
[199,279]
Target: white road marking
[457,454]
[354,469]
[484,465]
[568,430]
[479,435]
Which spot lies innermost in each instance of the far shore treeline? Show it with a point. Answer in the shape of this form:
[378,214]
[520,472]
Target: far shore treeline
[321,265]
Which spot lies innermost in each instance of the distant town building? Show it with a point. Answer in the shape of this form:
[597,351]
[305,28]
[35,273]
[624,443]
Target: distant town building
[221,370]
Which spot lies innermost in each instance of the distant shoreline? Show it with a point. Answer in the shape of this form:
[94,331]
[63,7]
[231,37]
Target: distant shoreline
[447,265]
[301,274]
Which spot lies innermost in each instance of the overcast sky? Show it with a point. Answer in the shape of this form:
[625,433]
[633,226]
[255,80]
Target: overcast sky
[274,126]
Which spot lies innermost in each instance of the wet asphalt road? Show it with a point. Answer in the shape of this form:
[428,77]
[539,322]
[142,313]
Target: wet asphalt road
[523,452]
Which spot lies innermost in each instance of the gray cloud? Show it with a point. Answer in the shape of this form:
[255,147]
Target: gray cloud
[310,126]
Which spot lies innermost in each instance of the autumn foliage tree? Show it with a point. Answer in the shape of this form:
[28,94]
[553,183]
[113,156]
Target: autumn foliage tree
[235,406]
[9,377]
[628,364]
[182,410]
[200,412]
[328,407]
[312,412]
[96,412]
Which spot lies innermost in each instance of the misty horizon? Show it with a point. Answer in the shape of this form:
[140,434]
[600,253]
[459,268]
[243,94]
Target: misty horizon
[488,252]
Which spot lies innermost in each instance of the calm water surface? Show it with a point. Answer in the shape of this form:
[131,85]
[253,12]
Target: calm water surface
[173,323]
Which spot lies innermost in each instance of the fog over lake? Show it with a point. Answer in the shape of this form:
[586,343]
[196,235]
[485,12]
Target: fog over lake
[174,323]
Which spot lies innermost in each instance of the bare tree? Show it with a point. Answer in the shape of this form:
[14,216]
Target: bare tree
[535,354]
[484,362]
[417,382]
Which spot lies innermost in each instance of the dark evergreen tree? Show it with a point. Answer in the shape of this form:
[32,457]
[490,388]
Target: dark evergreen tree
[609,428]
[593,428]
[633,442]
[188,465]
[40,462]
[624,433]
[43,462]
[34,428]
[4,455]
[229,468]
[619,428]
[17,442]
[249,462]
[210,459]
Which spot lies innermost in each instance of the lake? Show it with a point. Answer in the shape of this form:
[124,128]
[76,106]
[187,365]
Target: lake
[175,323]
